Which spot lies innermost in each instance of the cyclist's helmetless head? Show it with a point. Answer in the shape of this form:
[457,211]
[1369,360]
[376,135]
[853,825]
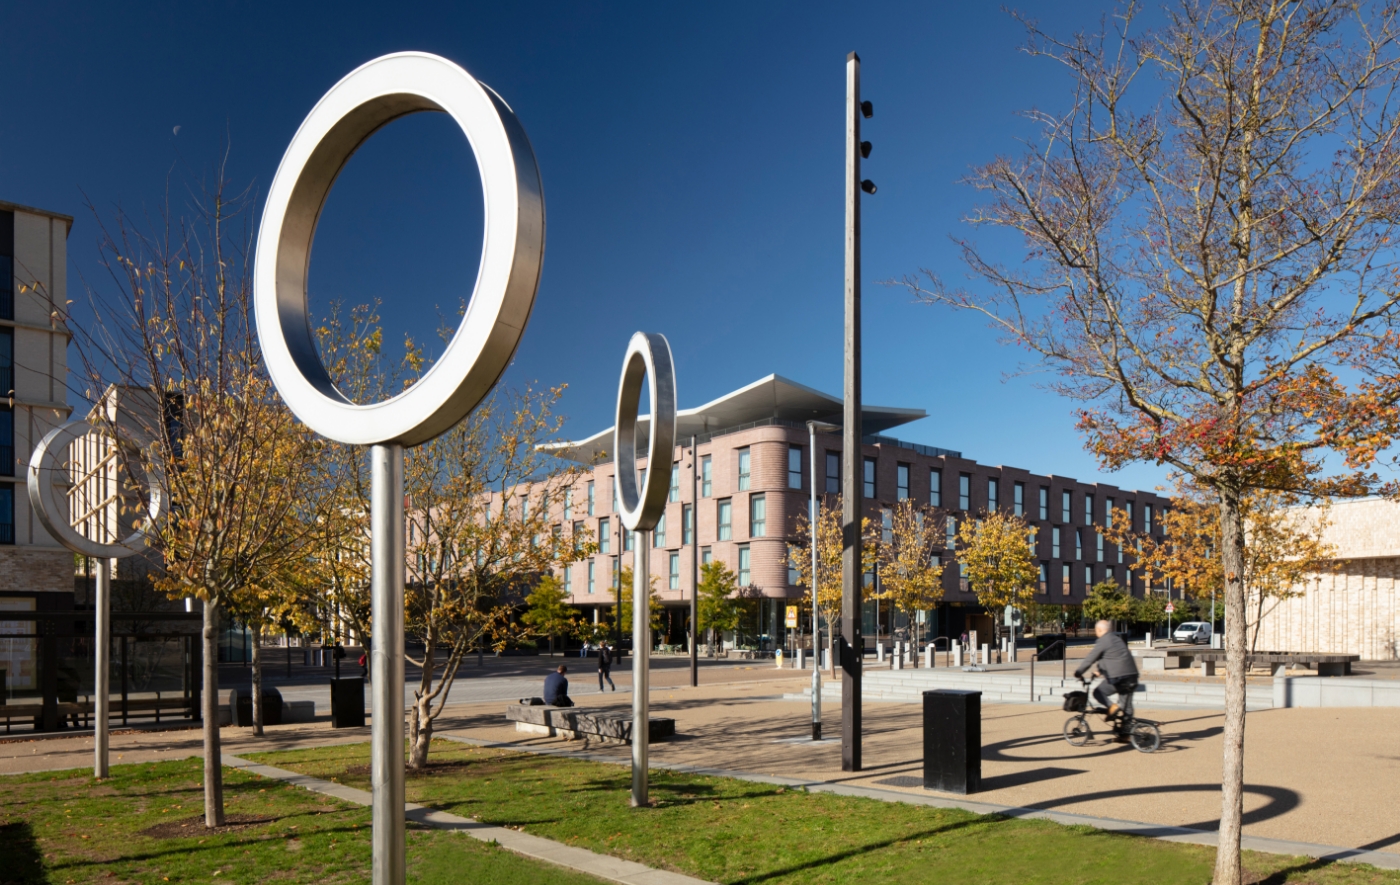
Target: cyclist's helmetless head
[1102,627]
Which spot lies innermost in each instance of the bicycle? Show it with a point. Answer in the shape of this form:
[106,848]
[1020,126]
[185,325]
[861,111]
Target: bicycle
[1142,734]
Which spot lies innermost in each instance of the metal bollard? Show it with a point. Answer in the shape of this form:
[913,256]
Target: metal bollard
[801,659]
[986,653]
[879,652]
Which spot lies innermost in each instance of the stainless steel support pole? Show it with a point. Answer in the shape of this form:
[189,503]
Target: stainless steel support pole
[102,667]
[694,561]
[852,490]
[641,662]
[813,514]
[386,662]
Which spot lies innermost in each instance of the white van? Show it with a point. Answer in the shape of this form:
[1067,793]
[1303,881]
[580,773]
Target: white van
[1192,631]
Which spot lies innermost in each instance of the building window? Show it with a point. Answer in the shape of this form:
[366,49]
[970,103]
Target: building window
[951,526]
[604,536]
[568,580]
[991,495]
[1066,506]
[1118,548]
[629,541]
[707,556]
[962,576]
[744,565]
[568,504]
[1030,541]
[725,517]
[1088,577]
[1128,510]
[794,576]
[886,524]
[758,516]
[1044,577]
[794,467]
[1098,552]
[935,487]
[7,441]
[591,500]
[577,537]
[591,586]
[688,524]
[1147,519]
[1018,498]
[833,473]
[1088,509]
[964,492]
[617,502]
[1065,587]
[658,534]
[1078,545]
[870,479]
[7,283]
[901,482]
[1109,504]
[744,464]
[1044,503]
[1055,542]
[7,514]
[675,494]
[705,477]
[674,575]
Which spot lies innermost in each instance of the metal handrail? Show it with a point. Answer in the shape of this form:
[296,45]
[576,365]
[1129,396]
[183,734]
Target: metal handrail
[1064,663]
[947,650]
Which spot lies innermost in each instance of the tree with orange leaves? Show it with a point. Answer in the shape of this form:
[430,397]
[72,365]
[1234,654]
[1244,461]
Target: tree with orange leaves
[1209,265]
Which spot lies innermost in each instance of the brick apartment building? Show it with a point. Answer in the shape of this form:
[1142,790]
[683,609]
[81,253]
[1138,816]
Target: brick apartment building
[754,481]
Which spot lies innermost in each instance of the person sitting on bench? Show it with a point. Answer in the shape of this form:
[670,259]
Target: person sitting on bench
[556,688]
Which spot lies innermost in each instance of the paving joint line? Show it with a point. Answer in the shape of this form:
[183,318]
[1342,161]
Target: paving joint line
[1164,832]
[581,860]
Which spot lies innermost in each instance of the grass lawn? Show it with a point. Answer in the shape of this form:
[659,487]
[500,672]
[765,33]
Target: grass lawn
[69,828]
[734,831]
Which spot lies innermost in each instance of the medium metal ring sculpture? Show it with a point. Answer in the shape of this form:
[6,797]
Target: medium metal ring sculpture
[44,495]
[649,355]
[369,97]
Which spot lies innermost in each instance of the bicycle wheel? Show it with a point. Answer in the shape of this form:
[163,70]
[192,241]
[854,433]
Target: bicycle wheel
[1145,737]
[1077,731]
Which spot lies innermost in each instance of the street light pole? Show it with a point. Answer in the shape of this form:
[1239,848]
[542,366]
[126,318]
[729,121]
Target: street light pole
[852,645]
[694,558]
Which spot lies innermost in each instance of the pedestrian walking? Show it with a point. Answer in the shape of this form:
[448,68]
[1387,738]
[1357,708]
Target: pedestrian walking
[605,666]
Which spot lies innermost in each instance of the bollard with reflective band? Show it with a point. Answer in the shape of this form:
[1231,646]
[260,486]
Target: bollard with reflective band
[369,97]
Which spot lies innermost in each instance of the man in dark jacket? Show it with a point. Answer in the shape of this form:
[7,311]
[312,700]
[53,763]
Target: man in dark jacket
[556,688]
[1115,662]
[605,662]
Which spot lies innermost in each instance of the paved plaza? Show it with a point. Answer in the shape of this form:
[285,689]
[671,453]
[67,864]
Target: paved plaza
[1317,776]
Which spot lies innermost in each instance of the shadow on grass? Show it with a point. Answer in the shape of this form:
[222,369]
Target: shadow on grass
[185,846]
[20,858]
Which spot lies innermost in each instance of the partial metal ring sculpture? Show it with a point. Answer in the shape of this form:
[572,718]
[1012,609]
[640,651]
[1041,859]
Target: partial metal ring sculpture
[44,493]
[648,354]
[367,98]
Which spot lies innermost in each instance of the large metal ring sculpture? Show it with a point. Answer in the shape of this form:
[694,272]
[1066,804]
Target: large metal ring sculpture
[512,251]
[47,486]
[649,355]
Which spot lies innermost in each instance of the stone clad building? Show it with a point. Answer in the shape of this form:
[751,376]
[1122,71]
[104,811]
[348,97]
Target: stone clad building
[754,475]
[1354,609]
[33,388]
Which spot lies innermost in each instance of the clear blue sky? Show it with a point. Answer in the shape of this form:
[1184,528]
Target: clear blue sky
[692,158]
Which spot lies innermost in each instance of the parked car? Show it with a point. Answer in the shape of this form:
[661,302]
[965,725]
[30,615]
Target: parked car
[1192,631]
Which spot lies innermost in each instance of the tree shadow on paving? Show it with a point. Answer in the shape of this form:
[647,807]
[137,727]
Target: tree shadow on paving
[1281,801]
[20,856]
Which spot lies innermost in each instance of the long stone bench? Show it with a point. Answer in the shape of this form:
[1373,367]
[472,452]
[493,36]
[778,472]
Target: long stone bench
[1279,661]
[573,722]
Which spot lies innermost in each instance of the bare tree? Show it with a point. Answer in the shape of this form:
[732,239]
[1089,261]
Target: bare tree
[1208,264]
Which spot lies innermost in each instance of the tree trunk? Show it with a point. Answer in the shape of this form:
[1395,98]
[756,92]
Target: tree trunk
[420,723]
[1227,858]
[257,683]
[213,758]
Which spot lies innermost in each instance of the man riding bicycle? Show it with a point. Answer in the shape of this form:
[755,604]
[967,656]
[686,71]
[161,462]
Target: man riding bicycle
[1115,662]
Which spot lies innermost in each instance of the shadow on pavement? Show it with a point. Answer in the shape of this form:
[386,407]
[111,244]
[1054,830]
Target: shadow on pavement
[1281,801]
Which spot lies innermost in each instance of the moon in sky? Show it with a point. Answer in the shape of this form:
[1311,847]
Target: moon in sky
[175,131]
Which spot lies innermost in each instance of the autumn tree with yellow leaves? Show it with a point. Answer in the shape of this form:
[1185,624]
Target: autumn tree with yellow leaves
[829,548]
[911,577]
[998,563]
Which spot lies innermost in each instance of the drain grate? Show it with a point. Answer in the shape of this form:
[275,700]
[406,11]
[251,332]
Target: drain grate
[902,781]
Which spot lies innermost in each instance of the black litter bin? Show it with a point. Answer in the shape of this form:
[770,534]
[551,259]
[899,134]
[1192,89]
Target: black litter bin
[953,741]
[242,703]
[348,702]
[1044,641]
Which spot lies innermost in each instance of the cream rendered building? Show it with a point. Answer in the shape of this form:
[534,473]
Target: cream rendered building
[1354,609]
[33,391]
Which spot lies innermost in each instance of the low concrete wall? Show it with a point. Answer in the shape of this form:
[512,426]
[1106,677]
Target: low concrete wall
[1335,691]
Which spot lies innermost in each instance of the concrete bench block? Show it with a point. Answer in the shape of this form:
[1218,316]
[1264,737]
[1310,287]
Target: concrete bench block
[575,722]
